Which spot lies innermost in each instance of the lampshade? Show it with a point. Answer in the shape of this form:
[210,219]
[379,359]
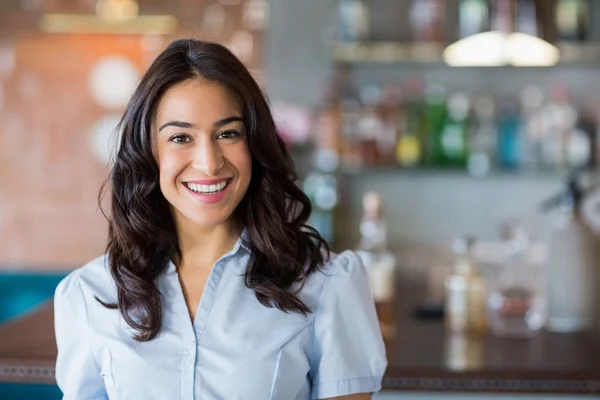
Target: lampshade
[495,48]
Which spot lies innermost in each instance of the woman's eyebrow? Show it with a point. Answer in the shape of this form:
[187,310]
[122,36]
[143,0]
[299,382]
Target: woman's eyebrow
[227,121]
[179,124]
[217,124]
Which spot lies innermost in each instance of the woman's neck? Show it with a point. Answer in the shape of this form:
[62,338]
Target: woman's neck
[200,247]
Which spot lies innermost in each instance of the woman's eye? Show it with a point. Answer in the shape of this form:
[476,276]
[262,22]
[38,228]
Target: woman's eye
[229,135]
[179,139]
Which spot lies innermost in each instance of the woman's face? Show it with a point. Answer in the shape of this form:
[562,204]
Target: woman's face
[202,152]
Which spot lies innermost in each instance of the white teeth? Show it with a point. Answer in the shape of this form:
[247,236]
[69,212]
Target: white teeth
[207,189]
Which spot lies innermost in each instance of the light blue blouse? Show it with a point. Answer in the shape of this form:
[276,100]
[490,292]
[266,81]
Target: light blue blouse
[235,348]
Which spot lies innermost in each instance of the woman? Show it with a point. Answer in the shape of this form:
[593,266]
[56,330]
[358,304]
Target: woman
[212,286]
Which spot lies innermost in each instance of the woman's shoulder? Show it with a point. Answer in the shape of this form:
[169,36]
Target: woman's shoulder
[339,271]
[344,265]
[91,279]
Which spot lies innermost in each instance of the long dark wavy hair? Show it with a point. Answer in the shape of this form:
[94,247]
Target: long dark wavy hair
[142,236]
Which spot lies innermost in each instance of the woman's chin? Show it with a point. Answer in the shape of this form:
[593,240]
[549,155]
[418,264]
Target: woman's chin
[209,218]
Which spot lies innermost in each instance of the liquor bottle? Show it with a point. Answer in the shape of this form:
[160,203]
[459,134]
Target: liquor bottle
[454,136]
[436,111]
[501,15]
[379,261]
[465,292]
[473,17]
[482,138]
[371,126]
[560,118]
[510,140]
[353,20]
[427,19]
[526,21]
[533,127]
[572,19]
[583,141]
[409,144]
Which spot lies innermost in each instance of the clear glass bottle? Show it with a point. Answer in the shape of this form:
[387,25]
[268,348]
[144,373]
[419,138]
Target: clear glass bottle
[465,292]
[515,305]
[379,261]
[571,269]
[353,20]
[473,17]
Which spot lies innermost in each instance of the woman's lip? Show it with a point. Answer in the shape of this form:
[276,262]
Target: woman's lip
[208,181]
[210,198]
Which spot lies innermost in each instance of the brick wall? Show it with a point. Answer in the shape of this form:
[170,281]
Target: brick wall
[49,175]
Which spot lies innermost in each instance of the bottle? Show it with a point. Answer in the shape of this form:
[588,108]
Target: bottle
[465,292]
[392,115]
[371,126]
[353,20]
[532,126]
[427,20]
[572,264]
[526,21]
[581,142]
[454,136]
[560,118]
[435,116]
[473,17]
[501,15]
[482,140]
[572,19]
[409,144]
[510,140]
[516,306]
[379,261]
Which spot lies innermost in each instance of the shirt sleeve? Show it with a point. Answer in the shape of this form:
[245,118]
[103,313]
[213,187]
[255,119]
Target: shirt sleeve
[77,373]
[348,351]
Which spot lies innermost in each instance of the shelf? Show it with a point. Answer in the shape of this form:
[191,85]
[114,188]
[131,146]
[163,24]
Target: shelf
[388,52]
[452,172]
[431,53]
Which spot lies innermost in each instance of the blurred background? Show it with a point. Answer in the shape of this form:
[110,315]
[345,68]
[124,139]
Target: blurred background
[452,143]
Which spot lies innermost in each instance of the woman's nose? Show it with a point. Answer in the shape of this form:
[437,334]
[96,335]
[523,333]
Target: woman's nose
[208,158]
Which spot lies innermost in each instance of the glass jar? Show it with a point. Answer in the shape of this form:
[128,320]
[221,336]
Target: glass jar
[516,305]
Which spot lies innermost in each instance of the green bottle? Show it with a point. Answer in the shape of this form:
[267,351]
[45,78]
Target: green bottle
[435,117]
[454,136]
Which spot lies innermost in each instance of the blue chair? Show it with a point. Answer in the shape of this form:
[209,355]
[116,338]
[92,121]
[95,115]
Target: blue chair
[22,293]
[20,391]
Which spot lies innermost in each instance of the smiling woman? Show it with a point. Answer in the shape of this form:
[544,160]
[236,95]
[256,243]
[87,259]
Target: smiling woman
[212,285]
[201,144]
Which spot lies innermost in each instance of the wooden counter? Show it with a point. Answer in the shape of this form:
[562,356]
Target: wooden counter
[28,347]
[421,357]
